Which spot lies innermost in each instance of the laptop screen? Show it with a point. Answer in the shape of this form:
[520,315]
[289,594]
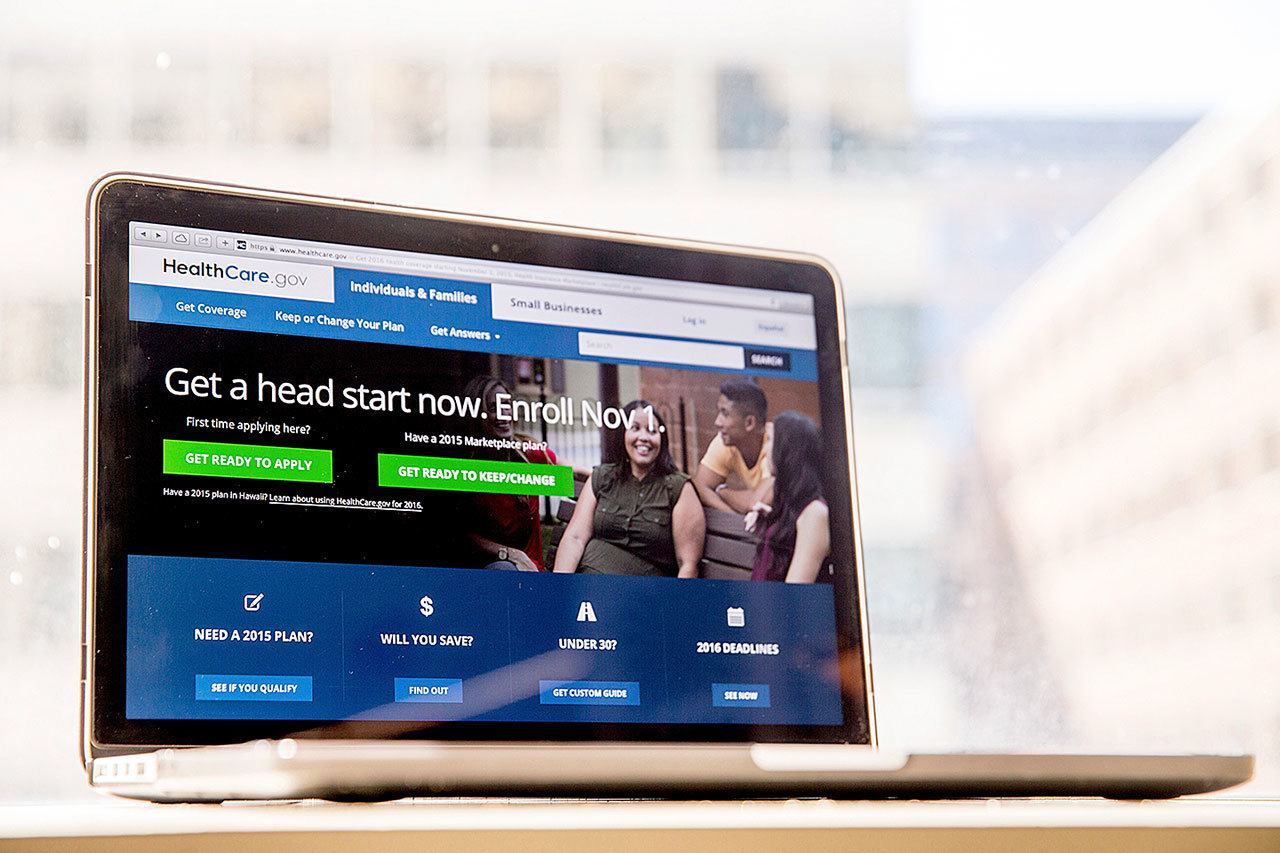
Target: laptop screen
[380,485]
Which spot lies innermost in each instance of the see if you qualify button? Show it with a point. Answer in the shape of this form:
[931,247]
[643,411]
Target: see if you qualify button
[253,688]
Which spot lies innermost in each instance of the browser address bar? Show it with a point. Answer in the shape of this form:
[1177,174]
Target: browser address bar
[476,270]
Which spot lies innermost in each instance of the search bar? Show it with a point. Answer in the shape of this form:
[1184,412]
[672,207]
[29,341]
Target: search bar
[633,348]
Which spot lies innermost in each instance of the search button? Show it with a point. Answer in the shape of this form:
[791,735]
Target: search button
[768,359]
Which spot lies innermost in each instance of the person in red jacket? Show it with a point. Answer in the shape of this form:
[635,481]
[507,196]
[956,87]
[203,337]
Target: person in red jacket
[507,529]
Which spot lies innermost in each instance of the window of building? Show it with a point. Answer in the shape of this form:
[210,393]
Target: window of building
[868,123]
[291,103]
[752,119]
[48,100]
[634,115]
[408,104]
[884,345]
[524,106]
[170,100]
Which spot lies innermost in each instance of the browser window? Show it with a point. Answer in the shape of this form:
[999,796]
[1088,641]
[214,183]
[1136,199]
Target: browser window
[395,486]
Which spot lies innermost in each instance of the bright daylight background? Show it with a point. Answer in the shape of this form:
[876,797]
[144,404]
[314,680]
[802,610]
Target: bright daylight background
[1056,224]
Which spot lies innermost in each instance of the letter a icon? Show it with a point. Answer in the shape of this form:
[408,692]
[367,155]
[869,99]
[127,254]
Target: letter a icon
[586,613]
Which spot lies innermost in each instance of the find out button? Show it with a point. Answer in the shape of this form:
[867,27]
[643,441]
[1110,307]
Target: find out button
[433,690]
[767,359]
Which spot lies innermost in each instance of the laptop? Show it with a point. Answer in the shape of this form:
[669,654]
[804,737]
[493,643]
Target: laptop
[387,502]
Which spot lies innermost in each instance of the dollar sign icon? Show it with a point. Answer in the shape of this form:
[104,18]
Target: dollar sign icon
[426,606]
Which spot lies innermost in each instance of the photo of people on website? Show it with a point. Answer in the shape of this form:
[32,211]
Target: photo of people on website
[701,475]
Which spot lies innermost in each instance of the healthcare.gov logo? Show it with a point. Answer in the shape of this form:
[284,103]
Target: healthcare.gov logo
[229,274]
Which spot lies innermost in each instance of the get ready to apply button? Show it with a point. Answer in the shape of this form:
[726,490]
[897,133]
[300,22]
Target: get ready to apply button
[429,690]
[252,461]
[253,688]
[589,692]
[740,695]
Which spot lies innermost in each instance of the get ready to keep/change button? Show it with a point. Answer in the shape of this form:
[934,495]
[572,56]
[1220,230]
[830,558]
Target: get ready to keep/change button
[474,475]
[251,461]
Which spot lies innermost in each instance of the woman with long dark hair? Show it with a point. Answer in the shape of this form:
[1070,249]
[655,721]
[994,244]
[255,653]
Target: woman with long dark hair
[638,516]
[794,533]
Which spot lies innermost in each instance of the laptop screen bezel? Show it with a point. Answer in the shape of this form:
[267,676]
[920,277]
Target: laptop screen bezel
[119,200]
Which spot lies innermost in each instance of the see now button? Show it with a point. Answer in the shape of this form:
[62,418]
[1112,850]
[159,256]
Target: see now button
[740,695]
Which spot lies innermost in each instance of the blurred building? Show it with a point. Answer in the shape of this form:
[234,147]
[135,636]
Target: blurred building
[786,127]
[1126,418]
[1005,194]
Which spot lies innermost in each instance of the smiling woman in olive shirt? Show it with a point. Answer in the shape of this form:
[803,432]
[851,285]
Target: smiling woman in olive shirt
[640,516]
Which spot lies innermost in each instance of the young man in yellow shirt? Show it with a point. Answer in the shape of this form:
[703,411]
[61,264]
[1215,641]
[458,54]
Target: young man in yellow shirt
[736,472]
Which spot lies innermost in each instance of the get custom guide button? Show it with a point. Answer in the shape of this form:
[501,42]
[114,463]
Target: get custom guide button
[589,692]
[249,461]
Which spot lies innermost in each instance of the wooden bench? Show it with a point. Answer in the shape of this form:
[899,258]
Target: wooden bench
[728,553]
[730,550]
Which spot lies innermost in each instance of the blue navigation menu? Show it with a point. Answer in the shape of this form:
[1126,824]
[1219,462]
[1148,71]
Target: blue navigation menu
[258,639]
[443,314]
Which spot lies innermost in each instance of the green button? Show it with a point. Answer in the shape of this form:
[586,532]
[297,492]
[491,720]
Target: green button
[250,461]
[474,475]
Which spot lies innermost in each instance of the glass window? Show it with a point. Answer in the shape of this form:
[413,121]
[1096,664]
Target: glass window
[1062,313]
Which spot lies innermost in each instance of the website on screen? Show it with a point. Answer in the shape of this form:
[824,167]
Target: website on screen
[387,485]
